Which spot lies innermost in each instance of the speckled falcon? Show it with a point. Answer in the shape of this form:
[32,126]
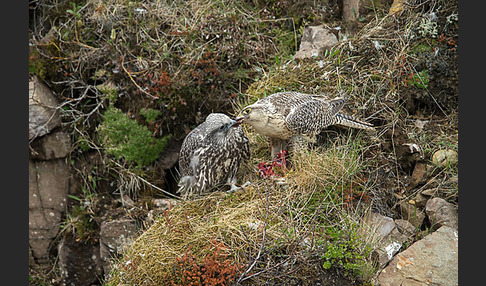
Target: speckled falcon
[292,119]
[211,155]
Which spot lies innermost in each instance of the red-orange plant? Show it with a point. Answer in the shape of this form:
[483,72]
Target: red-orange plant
[215,270]
[354,193]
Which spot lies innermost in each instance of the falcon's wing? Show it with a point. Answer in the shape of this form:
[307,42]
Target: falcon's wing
[335,105]
[314,115]
[244,145]
[191,143]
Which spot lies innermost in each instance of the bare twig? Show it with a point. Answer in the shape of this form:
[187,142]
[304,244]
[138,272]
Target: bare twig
[147,182]
[135,83]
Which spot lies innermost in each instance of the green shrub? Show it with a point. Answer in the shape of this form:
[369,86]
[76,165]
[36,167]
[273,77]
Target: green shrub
[346,249]
[81,223]
[124,137]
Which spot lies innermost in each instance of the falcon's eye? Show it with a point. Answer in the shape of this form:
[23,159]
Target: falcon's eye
[222,127]
[246,111]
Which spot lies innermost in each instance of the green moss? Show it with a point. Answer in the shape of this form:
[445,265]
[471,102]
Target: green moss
[36,66]
[41,66]
[421,48]
[123,137]
[150,114]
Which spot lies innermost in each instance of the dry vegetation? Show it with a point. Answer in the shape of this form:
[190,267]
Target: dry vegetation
[270,231]
[183,58]
[186,59]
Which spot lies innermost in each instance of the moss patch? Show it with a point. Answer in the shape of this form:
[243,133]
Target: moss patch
[123,137]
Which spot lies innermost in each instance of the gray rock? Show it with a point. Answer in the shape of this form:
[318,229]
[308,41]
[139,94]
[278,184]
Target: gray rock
[382,225]
[412,213]
[43,113]
[51,146]
[432,260]
[315,40]
[48,185]
[79,262]
[420,200]
[405,228]
[388,239]
[441,212]
[429,192]
[39,242]
[115,235]
[44,219]
[443,158]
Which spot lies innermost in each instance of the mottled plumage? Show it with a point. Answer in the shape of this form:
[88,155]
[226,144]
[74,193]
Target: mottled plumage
[211,155]
[293,118]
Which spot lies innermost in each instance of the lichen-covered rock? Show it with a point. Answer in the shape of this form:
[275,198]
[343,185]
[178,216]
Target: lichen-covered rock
[432,260]
[48,186]
[43,113]
[396,7]
[443,158]
[114,236]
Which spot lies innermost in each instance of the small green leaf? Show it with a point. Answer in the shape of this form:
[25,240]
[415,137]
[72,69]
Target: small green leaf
[74,198]
[327,265]
[113,34]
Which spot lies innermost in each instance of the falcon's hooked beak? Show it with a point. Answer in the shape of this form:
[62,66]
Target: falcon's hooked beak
[238,120]
[244,114]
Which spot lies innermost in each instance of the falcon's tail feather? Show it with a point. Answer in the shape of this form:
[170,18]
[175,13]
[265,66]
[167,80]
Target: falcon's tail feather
[349,121]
